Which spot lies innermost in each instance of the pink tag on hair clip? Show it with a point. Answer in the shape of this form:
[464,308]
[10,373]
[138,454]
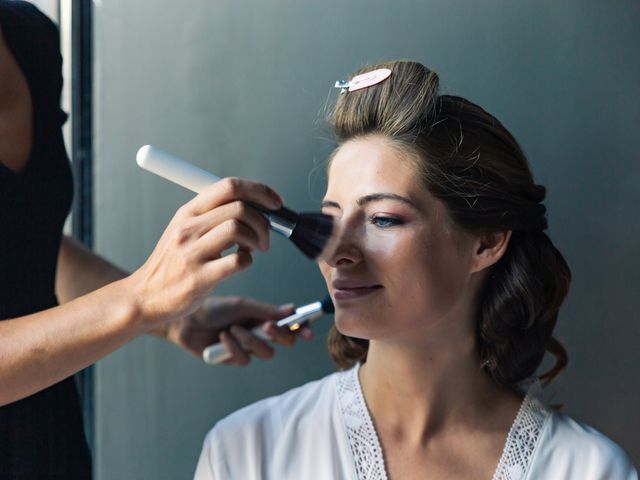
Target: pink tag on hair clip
[363,80]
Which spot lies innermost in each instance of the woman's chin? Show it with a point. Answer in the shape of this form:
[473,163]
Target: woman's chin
[354,327]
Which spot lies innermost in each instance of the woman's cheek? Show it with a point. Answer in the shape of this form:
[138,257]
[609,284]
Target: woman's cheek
[383,244]
[325,271]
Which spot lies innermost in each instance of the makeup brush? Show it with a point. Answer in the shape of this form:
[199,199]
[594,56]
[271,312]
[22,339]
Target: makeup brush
[309,231]
[215,354]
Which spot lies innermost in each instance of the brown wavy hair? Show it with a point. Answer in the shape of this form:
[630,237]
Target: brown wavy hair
[467,159]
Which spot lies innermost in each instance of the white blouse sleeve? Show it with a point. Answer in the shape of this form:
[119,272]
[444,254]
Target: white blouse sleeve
[297,435]
[571,450]
[209,467]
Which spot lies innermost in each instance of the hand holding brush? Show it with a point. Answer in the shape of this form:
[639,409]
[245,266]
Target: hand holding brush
[309,231]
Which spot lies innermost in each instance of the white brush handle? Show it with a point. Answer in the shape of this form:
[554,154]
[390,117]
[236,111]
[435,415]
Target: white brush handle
[175,169]
[216,353]
[195,178]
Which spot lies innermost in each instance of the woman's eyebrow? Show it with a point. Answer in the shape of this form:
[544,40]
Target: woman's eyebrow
[376,197]
[329,203]
[373,197]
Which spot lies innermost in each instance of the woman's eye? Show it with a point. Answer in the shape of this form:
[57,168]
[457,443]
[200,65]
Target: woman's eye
[385,222]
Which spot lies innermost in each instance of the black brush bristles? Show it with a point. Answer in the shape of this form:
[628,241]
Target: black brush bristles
[312,232]
[327,305]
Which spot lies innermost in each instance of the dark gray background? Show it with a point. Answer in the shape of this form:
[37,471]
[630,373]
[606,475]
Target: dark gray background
[238,87]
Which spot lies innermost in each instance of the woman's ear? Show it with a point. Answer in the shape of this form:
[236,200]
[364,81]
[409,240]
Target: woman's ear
[489,248]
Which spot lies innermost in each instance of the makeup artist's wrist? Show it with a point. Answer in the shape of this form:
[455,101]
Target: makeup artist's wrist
[122,308]
[140,318]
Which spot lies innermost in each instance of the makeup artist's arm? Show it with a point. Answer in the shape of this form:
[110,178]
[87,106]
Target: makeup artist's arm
[81,271]
[42,348]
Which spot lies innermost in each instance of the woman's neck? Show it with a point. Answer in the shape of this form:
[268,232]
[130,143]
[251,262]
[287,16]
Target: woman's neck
[414,393]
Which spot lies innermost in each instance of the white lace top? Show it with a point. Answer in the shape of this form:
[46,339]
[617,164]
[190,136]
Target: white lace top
[323,430]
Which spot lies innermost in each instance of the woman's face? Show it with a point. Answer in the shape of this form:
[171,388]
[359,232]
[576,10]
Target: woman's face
[400,269]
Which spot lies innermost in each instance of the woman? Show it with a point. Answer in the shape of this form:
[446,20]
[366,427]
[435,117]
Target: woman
[41,344]
[446,290]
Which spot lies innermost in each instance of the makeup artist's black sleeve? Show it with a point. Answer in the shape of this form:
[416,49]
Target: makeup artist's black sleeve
[41,437]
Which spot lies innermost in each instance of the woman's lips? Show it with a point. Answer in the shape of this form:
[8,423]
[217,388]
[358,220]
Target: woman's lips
[349,293]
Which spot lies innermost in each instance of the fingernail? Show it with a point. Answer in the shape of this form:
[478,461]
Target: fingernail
[287,307]
[270,330]
[276,199]
[307,334]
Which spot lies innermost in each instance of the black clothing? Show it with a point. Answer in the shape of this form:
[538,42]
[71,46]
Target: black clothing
[40,436]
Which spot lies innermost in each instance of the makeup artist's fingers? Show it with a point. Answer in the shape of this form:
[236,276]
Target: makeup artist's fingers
[250,343]
[221,268]
[231,189]
[306,334]
[283,336]
[240,211]
[236,355]
[186,265]
[224,236]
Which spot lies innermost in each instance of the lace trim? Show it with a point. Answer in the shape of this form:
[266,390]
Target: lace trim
[365,446]
[363,439]
[522,439]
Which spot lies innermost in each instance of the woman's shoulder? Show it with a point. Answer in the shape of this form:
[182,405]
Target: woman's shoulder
[275,414]
[571,449]
[285,436]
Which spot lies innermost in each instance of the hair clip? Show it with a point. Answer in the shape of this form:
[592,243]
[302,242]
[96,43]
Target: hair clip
[363,80]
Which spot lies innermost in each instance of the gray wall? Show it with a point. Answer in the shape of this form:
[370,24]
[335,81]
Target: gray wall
[237,87]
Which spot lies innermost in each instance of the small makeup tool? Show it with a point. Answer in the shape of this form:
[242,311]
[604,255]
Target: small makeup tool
[309,231]
[215,354]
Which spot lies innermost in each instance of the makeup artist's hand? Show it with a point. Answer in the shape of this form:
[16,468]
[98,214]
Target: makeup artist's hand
[187,262]
[230,320]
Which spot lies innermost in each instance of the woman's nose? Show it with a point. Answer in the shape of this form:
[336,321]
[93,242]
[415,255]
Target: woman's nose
[344,247]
